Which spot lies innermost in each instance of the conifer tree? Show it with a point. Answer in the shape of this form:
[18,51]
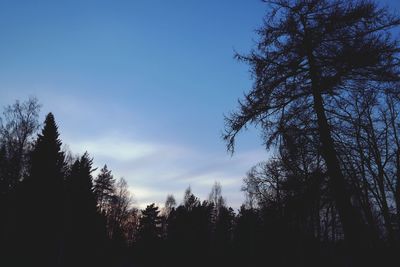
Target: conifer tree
[149,235]
[40,207]
[104,187]
[81,215]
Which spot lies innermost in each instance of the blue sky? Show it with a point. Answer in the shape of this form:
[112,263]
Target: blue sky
[142,85]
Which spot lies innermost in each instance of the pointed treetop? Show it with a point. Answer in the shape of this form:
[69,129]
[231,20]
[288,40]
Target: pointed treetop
[50,125]
[49,134]
[47,158]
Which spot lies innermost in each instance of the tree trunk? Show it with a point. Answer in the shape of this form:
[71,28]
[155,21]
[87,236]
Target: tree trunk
[349,216]
[397,193]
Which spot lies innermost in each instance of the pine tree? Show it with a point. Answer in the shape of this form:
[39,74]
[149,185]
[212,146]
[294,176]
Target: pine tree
[104,187]
[149,235]
[149,226]
[40,207]
[82,226]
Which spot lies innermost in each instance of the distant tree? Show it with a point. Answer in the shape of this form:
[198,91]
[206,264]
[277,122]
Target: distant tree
[169,206]
[149,236]
[215,197]
[187,195]
[18,125]
[189,231]
[170,203]
[247,237]
[130,226]
[224,228]
[4,181]
[263,182]
[104,187]
[120,207]
[84,235]
[70,157]
[312,53]
[79,184]
[222,244]
[149,226]
[190,201]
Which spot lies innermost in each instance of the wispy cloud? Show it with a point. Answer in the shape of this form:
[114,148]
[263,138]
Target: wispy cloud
[154,170]
[118,149]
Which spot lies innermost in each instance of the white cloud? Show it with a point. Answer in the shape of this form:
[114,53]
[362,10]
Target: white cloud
[116,149]
[154,170]
[119,148]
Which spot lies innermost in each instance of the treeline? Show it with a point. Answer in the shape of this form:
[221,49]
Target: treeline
[55,213]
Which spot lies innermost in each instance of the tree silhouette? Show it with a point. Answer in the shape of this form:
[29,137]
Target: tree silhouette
[170,203]
[149,226]
[104,189]
[149,235]
[17,127]
[216,199]
[83,225]
[247,238]
[312,53]
[119,208]
[40,200]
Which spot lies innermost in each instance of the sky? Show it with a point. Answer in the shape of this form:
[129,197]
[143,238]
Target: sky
[143,86]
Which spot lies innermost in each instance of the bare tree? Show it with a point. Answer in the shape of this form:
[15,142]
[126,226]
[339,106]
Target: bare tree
[215,196]
[17,128]
[120,207]
[170,203]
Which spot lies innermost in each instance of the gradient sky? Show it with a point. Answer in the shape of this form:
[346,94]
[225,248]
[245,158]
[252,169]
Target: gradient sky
[141,85]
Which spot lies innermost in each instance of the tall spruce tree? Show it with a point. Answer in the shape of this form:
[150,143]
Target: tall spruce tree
[40,201]
[83,225]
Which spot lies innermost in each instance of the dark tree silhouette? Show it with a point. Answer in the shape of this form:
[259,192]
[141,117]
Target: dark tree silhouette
[85,234]
[247,238]
[215,198]
[104,189]
[189,231]
[119,209]
[311,53]
[17,127]
[40,207]
[149,235]
[149,226]
[223,235]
